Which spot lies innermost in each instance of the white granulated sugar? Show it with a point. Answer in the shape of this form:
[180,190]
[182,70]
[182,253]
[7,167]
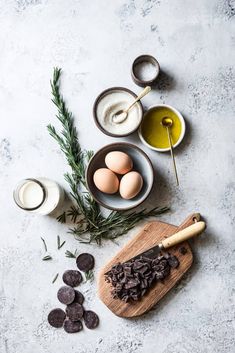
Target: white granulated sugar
[145,71]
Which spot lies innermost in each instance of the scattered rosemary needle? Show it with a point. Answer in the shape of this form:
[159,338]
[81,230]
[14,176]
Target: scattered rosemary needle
[46,258]
[70,254]
[55,278]
[44,244]
[62,218]
[89,275]
[59,244]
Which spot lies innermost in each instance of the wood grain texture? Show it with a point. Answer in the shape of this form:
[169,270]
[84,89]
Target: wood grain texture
[149,236]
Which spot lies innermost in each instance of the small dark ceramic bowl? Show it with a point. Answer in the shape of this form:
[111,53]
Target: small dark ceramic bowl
[143,59]
[141,164]
[100,96]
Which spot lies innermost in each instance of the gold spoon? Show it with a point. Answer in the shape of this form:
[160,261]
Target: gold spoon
[167,123]
[121,115]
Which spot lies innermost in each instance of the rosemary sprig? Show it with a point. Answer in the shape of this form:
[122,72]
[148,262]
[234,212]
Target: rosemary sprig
[70,254]
[46,258]
[91,225]
[44,244]
[55,278]
[59,244]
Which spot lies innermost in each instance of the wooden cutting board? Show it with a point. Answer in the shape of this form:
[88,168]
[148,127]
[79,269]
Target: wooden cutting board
[150,235]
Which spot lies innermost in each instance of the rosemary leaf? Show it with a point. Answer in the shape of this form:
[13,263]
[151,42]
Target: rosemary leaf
[59,244]
[55,278]
[89,275]
[46,258]
[73,213]
[62,218]
[44,244]
[70,254]
[62,244]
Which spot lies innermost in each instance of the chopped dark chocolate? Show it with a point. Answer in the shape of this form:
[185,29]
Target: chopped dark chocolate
[66,295]
[173,261]
[72,278]
[56,317]
[91,319]
[183,250]
[72,326]
[132,280]
[85,262]
[74,311]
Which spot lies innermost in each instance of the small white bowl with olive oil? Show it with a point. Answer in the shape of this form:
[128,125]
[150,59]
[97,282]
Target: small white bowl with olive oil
[152,132]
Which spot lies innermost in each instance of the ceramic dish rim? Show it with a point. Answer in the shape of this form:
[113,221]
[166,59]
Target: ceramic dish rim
[95,111]
[180,116]
[150,186]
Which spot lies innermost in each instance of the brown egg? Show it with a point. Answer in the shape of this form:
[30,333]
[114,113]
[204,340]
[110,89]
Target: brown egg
[118,162]
[106,181]
[130,185]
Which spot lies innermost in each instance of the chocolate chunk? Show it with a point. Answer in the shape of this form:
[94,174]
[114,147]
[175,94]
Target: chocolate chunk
[166,271]
[72,278]
[137,265]
[134,297]
[164,263]
[72,326]
[127,270]
[66,295]
[183,250]
[74,311]
[56,317]
[125,298]
[79,298]
[85,262]
[91,319]
[144,283]
[159,275]
[131,284]
[173,261]
[143,269]
[155,262]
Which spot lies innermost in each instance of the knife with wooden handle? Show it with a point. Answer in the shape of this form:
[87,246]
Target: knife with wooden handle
[184,234]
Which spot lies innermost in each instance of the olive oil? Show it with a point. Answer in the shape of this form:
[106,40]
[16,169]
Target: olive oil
[155,133]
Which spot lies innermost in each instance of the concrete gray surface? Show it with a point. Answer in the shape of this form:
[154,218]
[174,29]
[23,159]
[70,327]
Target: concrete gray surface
[95,42]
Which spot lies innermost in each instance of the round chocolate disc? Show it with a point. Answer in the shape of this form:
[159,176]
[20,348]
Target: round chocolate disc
[72,326]
[79,298]
[74,311]
[72,278]
[56,317]
[66,295]
[91,319]
[85,262]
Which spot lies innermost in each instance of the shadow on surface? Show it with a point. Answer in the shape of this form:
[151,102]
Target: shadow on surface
[165,82]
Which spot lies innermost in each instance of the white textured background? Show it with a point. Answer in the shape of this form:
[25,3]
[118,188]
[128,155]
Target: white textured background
[95,42]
